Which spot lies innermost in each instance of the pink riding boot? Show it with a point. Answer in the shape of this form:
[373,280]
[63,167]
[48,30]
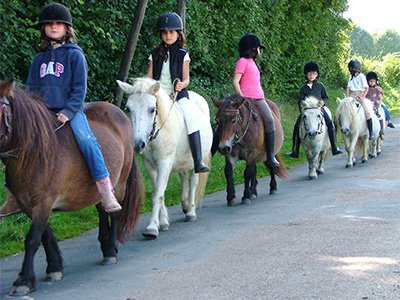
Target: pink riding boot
[109,201]
[11,207]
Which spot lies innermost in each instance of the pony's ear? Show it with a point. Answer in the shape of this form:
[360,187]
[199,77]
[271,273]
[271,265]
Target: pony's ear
[238,104]
[303,104]
[155,88]
[126,87]
[216,101]
[7,87]
[338,100]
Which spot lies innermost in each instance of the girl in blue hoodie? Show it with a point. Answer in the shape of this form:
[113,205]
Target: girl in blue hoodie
[59,74]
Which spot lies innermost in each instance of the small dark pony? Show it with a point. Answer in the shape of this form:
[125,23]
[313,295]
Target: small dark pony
[45,171]
[241,137]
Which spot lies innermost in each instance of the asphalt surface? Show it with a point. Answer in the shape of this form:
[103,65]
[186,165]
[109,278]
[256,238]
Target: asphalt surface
[337,237]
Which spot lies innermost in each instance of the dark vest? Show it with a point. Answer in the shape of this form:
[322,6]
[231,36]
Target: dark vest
[176,56]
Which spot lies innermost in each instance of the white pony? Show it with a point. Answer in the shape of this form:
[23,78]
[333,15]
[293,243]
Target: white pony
[314,135]
[351,120]
[162,140]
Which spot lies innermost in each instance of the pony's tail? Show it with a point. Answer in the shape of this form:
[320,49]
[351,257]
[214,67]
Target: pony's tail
[132,203]
[201,186]
[282,171]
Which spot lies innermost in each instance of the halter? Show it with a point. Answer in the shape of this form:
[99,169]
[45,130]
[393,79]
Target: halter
[239,120]
[320,123]
[6,129]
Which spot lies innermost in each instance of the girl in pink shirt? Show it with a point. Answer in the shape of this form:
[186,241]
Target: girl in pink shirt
[246,83]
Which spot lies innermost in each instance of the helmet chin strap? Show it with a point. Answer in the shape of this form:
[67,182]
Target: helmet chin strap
[53,56]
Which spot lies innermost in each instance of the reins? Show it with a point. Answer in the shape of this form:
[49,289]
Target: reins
[236,139]
[153,134]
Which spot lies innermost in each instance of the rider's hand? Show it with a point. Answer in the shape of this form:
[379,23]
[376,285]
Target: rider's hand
[62,118]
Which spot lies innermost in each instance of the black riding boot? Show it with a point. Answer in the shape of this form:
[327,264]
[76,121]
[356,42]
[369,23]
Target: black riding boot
[270,147]
[369,125]
[332,139]
[215,144]
[195,148]
[296,144]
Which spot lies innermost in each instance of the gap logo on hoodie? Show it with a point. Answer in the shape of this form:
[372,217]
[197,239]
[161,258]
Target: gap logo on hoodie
[52,68]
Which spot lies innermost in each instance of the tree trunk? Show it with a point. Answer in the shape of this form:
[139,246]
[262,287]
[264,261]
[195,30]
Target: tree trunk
[182,12]
[130,49]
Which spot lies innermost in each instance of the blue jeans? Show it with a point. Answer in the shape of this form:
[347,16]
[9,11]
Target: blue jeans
[387,113]
[88,145]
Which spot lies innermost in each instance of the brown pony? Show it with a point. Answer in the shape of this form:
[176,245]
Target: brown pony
[241,137]
[46,171]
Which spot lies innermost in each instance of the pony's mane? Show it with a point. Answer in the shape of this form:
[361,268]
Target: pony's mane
[347,110]
[312,102]
[33,135]
[142,86]
[227,103]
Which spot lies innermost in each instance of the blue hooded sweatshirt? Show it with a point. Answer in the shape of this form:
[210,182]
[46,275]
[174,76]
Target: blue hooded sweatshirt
[61,82]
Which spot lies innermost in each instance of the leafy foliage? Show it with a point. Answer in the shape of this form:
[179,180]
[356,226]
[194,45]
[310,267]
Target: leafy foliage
[293,32]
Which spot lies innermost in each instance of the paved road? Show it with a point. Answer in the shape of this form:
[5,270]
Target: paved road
[337,237]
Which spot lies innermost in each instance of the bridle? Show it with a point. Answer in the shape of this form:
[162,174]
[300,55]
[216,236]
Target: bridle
[5,127]
[237,139]
[321,121]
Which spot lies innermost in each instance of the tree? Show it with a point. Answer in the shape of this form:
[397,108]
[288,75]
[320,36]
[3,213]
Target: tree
[130,48]
[362,43]
[387,42]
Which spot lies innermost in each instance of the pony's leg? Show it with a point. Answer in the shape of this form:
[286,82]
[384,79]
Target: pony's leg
[26,281]
[248,176]
[230,185]
[312,165]
[349,146]
[159,214]
[184,176]
[53,256]
[253,184]
[107,236]
[322,159]
[273,186]
[191,211]
[365,149]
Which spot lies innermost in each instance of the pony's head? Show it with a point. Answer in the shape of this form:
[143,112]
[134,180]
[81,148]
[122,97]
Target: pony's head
[229,120]
[312,116]
[26,130]
[346,114]
[147,105]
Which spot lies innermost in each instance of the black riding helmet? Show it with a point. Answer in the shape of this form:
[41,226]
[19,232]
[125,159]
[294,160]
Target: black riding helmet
[55,12]
[354,66]
[249,41]
[169,21]
[372,75]
[311,67]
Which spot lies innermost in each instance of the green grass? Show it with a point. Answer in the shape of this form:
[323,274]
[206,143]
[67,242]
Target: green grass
[67,225]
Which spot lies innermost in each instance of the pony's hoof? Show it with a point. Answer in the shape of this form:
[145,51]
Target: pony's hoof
[311,177]
[164,227]
[364,160]
[151,234]
[253,197]
[111,260]
[190,218]
[320,172]
[231,202]
[53,276]
[378,153]
[21,290]
[246,201]
[349,166]
[273,192]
